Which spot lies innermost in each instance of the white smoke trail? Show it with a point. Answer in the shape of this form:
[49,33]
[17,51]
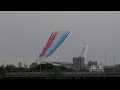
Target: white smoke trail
[85,53]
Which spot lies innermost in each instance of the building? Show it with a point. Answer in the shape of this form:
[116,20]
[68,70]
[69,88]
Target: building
[78,63]
[96,68]
[25,66]
[70,66]
[33,65]
[65,64]
[116,68]
[100,67]
[19,65]
[90,63]
[93,68]
[108,68]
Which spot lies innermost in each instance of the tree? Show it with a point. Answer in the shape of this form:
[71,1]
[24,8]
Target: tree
[1,77]
[10,67]
[57,74]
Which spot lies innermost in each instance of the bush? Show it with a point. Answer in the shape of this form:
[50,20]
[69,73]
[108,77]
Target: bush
[1,77]
[57,75]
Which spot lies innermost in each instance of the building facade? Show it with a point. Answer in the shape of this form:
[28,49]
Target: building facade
[96,68]
[90,63]
[78,63]
[20,65]
[25,66]
[33,65]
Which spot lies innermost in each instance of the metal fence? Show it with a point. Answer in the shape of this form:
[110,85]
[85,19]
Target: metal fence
[73,74]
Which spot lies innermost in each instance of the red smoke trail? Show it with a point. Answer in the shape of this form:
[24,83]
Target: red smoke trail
[47,44]
[50,41]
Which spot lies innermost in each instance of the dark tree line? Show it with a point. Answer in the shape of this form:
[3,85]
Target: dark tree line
[43,67]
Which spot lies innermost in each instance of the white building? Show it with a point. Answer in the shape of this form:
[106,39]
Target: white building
[100,67]
[93,68]
[97,68]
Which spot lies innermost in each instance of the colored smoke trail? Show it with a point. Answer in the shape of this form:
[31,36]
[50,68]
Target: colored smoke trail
[60,35]
[61,40]
[46,44]
[54,42]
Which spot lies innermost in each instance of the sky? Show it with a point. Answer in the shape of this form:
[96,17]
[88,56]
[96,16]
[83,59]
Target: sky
[23,35]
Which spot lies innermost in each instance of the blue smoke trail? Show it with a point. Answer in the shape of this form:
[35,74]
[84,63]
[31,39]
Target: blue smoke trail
[61,40]
[57,44]
[51,51]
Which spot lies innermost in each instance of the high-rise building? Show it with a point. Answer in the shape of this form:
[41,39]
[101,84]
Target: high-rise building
[78,63]
[19,65]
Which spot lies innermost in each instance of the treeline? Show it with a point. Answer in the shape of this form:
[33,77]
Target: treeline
[43,67]
[50,67]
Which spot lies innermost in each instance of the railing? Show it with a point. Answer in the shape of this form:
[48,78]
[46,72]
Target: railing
[37,73]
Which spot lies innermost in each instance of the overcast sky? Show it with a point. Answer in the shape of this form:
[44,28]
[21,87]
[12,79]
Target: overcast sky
[23,35]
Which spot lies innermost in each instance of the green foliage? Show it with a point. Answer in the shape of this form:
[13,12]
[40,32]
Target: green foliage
[1,77]
[10,67]
[2,71]
[1,68]
[62,68]
[44,67]
[56,75]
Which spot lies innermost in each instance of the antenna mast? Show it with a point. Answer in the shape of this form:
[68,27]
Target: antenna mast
[114,60]
[105,58]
